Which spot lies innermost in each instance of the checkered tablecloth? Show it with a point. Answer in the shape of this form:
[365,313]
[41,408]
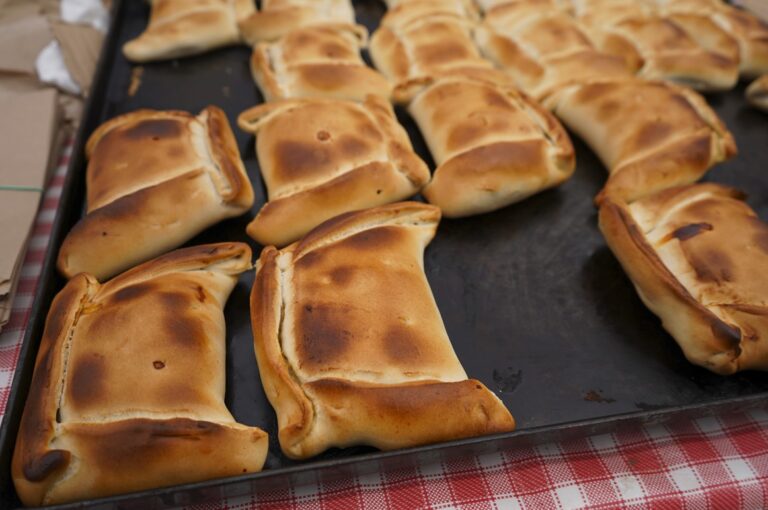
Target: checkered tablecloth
[711,463]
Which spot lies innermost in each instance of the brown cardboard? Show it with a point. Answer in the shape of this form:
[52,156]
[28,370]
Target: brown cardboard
[80,45]
[28,136]
[21,40]
[27,126]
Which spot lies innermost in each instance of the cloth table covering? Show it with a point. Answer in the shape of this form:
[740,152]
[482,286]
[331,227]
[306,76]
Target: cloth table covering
[717,462]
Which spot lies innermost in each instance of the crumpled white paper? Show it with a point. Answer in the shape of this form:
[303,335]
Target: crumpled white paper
[49,64]
[85,12]
[51,69]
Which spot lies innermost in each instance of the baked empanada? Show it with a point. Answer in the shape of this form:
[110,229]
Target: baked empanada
[279,17]
[697,257]
[179,28]
[649,135]
[757,93]
[662,49]
[155,179]
[421,38]
[492,144]
[749,31]
[543,48]
[351,346]
[317,61]
[128,388]
[323,157]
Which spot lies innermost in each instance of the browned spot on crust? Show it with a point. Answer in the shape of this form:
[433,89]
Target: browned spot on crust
[159,365]
[352,146]
[39,468]
[652,134]
[295,159]
[342,275]
[322,333]
[433,54]
[323,135]
[133,292]
[185,330]
[710,265]
[200,291]
[153,129]
[374,238]
[401,343]
[86,381]
[308,260]
[692,230]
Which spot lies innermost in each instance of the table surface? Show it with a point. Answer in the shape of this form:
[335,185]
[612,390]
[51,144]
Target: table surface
[708,463]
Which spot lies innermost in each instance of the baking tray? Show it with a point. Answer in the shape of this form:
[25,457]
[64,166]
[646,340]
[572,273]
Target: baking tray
[536,305]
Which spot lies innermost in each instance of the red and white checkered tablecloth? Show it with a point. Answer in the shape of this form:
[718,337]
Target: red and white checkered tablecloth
[710,463]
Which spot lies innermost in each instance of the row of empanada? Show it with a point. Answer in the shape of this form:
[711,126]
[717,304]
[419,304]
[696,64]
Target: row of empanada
[128,388]
[179,28]
[694,253]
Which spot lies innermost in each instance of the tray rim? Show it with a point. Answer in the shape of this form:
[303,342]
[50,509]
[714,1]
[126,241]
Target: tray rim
[279,477]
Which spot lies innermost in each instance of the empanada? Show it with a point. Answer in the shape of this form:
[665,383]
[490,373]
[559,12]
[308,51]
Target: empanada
[351,346]
[749,31]
[421,38]
[178,28]
[279,17]
[697,257]
[661,49]
[155,179]
[492,144]
[649,135]
[757,93]
[317,61]
[128,388]
[543,48]
[323,157]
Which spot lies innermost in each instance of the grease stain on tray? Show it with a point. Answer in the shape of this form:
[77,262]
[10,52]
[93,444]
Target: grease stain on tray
[597,396]
[507,380]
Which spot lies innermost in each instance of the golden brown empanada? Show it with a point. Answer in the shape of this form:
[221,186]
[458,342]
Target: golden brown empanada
[661,49]
[543,48]
[323,157]
[279,17]
[421,38]
[178,28]
[749,31]
[649,135]
[492,144]
[128,388]
[350,344]
[757,93]
[697,256]
[317,61]
[155,179]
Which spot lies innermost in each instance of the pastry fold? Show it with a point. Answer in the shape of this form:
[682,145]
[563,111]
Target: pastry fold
[649,135]
[749,31]
[492,144]
[543,48]
[324,157]
[317,61]
[421,38]
[351,346]
[277,18]
[188,27]
[658,48]
[154,180]
[696,255]
[128,388]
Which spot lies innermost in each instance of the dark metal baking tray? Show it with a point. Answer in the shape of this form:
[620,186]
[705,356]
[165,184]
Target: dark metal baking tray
[536,305]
